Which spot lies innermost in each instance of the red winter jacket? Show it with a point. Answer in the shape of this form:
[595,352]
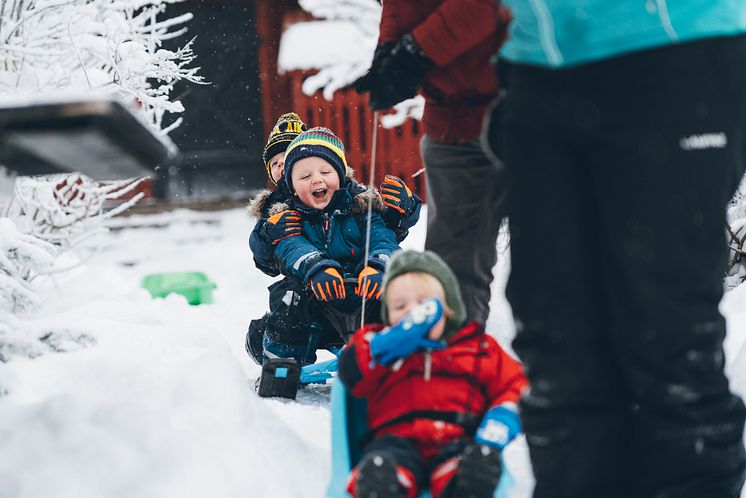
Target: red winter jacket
[460,36]
[471,375]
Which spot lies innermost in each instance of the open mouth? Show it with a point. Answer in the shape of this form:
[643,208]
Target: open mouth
[319,193]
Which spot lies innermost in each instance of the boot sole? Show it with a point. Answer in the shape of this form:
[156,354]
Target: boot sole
[377,478]
[479,473]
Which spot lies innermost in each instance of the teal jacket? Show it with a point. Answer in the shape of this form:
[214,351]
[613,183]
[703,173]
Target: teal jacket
[565,33]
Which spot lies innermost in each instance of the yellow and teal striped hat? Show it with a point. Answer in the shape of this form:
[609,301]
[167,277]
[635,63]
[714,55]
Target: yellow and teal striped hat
[316,142]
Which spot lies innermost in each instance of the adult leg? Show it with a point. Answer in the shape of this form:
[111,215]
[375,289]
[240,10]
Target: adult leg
[576,415]
[465,206]
[665,170]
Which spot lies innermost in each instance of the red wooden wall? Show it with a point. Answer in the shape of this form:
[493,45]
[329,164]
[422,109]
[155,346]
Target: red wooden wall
[350,118]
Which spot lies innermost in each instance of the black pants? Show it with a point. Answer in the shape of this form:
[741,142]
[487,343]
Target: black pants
[619,173]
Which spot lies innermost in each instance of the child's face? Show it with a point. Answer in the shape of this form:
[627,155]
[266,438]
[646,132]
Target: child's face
[315,181]
[277,166]
[407,291]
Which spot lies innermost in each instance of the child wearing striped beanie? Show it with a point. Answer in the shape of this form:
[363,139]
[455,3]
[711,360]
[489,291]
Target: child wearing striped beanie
[312,235]
[288,126]
[319,239]
[315,166]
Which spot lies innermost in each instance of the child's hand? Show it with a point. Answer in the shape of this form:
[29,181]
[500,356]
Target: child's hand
[369,283]
[326,282]
[409,335]
[500,425]
[396,195]
[283,225]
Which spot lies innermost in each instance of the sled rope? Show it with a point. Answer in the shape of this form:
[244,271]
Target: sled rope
[371,192]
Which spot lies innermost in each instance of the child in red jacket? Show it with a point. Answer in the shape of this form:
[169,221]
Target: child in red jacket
[442,395]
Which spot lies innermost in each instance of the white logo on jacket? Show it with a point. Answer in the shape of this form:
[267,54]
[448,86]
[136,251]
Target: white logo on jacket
[704,141]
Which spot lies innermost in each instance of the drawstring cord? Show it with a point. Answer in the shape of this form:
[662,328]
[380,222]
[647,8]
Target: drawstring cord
[374,143]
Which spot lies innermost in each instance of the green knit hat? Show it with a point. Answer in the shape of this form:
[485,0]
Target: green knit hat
[428,262]
[316,142]
[288,127]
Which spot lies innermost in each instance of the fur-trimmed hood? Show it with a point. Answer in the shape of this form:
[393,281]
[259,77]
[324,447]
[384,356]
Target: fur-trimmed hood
[266,203]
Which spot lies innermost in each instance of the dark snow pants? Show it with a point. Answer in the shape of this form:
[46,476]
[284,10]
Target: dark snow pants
[619,173]
[296,326]
[405,453]
[465,206]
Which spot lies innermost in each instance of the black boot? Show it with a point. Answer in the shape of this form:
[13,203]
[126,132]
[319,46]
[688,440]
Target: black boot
[478,473]
[377,477]
[280,378]
[254,338]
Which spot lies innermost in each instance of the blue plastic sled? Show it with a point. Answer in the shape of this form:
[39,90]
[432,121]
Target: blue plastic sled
[319,373]
[348,425]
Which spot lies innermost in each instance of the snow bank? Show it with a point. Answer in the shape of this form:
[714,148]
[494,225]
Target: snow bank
[160,402]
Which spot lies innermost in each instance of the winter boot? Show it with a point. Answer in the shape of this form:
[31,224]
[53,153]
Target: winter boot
[280,378]
[476,476]
[378,476]
[254,338]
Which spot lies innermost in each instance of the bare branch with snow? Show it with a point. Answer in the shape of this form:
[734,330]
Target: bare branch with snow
[111,48]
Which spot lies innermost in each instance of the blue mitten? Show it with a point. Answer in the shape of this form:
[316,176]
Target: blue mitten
[500,425]
[409,335]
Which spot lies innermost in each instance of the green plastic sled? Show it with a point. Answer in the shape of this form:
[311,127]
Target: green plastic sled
[193,285]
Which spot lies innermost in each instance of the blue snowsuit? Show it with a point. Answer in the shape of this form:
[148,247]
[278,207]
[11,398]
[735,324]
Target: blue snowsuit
[264,251]
[296,325]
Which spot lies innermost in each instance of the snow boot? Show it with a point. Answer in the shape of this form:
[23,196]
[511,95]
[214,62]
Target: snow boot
[378,476]
[478,474]
[280,378]
[254,338]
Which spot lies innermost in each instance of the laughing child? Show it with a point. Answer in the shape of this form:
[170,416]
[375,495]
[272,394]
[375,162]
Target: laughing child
[400,211]
[318,237]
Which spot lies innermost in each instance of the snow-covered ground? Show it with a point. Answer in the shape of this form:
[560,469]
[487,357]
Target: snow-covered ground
[154,398]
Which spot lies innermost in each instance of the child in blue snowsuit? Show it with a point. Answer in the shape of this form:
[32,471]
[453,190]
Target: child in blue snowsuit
[400,211]
[319,241]
[401,206]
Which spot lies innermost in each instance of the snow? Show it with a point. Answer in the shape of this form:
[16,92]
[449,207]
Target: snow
[133,396]
[316,44]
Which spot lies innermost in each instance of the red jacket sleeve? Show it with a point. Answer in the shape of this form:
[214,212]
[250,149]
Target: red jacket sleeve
[455,27]
[508,380]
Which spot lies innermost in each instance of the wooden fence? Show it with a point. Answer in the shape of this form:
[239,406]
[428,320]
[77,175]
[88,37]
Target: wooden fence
[348,116]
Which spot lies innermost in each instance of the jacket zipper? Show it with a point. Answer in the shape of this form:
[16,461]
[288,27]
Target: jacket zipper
[327,224]
[428,365]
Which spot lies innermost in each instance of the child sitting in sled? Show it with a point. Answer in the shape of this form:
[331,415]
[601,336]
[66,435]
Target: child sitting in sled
[400,211]
[319,237]
[442,395]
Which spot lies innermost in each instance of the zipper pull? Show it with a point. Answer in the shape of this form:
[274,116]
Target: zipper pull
[428,365]
[326,222]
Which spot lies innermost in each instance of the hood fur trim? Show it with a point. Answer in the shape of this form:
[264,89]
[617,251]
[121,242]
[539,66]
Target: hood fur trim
[360,201]
[256,205]
[278,207]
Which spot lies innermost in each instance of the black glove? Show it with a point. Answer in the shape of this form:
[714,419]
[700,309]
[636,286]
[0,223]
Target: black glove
[400,74]
[364,83]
